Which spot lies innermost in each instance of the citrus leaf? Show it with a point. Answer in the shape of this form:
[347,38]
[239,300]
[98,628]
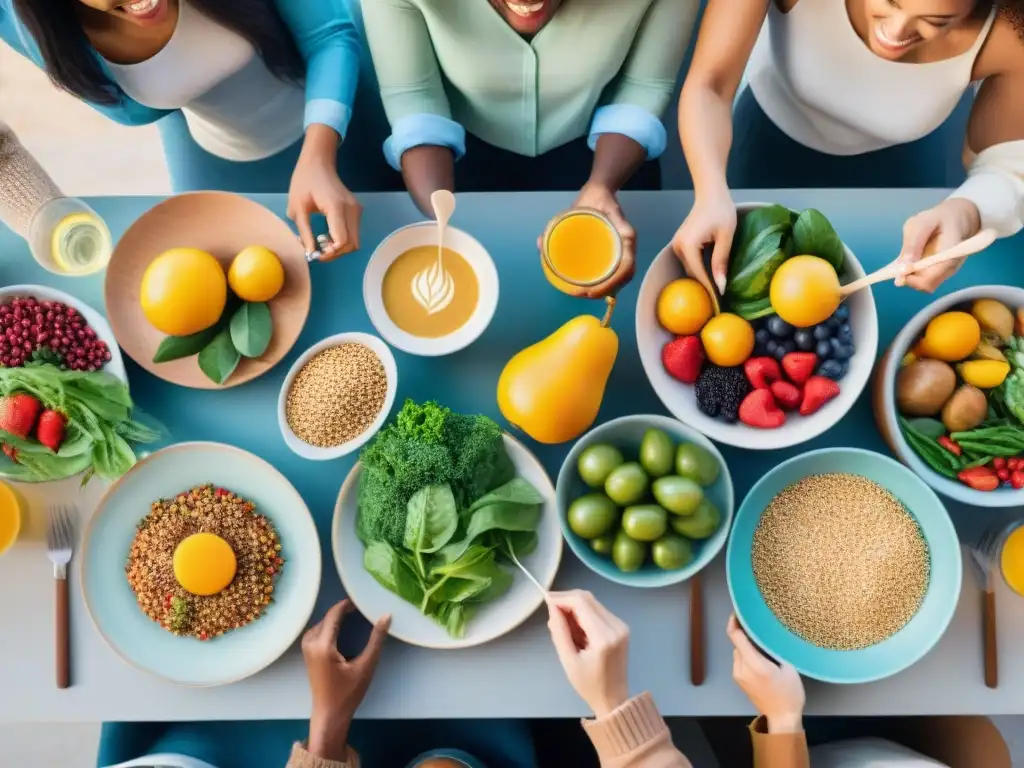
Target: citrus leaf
[251,329]
[219,358]
[177,347]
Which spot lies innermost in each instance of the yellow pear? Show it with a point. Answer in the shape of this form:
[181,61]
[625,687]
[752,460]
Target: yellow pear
[552,390]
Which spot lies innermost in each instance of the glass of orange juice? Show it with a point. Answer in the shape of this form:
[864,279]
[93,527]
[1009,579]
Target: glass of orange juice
[1003,548]
[10,517]
[581,248]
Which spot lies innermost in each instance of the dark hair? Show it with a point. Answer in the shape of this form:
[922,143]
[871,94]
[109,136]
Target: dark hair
[1013,12]
[72,64]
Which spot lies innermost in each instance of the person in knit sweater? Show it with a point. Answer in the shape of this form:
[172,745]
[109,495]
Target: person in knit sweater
[24,186]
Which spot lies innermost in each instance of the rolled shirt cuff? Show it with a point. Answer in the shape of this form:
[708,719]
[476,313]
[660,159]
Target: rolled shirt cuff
[627,729]
[998,199]
[328,112]
[420,130]
[632,121]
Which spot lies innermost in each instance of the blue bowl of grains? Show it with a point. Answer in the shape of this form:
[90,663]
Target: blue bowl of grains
[845,564]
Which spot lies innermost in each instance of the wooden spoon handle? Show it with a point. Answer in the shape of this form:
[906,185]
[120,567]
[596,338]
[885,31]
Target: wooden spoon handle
[63,666]
[968,247]
[698,656]
[988,610]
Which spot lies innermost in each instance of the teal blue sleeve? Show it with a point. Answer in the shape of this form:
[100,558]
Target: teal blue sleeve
[329,43]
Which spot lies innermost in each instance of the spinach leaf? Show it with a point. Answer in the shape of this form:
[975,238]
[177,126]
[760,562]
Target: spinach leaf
[520,543]
[515,491]
[754,224]
[392,572]
[176,347]
[454,617]
[498,516]
[752,281]
[431,519]
[251,328]
[813,234]
[219,358]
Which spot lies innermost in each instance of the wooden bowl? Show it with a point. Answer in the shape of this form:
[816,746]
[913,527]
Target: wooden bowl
[222,224]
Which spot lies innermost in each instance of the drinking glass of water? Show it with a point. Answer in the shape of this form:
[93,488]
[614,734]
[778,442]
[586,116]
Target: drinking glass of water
[68,237]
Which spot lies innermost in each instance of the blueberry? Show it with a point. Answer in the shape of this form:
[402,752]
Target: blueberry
[844,367]
[762,336]
[842,313]
[841,351]
[771,346]
[831,369]
[845,333]
[779,327]
[788,346]
[822,332]
[833,324]
[780,352]
[823,350]
[804,339]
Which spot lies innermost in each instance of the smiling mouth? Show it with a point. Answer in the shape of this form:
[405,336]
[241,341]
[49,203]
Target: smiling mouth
[141,8]
[526,10]
[892,43]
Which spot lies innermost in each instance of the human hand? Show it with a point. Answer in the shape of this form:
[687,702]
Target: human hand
[337,684]
[775,689]
[711,221]
[316,188]
[593,646]
[950,222]
[600,198]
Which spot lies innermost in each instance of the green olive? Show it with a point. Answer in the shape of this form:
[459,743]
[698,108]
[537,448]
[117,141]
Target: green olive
[657,453]
[592,515]
[679,495]
[696,463]
[701,524]
[627,484]
[603,544]
[671,552]
[596,462]
[628,554]
[645,522]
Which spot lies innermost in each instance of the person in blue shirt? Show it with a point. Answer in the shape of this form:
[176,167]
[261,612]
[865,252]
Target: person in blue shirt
[249,93]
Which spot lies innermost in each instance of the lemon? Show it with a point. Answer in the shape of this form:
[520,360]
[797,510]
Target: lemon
[204,564]
[256,274]
[951,336]
[183,291]
[728,339]
[805,291]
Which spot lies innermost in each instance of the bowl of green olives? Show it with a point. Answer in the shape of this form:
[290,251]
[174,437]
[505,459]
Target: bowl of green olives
[645,500]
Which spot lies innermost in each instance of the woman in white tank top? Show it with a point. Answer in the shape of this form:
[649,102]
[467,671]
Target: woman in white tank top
[856,93]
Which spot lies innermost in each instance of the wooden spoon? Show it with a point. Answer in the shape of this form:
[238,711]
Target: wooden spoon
[698,654]
[968,247]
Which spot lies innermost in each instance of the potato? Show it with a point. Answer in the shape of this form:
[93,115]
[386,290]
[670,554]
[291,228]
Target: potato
[924,386]
[965,410]
[994,317]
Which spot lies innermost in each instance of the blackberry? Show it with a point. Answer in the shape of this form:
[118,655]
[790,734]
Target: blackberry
[720,391]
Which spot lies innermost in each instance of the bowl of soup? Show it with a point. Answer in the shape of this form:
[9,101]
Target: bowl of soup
[429,301]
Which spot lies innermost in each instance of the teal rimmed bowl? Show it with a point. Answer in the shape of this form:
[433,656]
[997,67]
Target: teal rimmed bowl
[889,656]
[625,433]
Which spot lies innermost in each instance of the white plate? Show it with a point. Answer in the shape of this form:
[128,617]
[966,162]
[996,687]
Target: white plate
[304,449]
[494,619]
[412,236]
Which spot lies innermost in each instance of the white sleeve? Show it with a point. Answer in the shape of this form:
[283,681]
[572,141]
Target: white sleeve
[995,183]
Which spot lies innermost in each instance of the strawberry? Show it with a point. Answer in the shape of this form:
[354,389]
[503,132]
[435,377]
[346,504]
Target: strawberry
[758,409]
[762,372]
[50,430]
[1017,479]
[817,391]
[11,452]
[18,414]
[683,357]
[799,366]
[787,395]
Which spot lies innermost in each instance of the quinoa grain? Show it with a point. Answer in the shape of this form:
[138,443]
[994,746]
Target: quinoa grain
[336,396]
[840,561]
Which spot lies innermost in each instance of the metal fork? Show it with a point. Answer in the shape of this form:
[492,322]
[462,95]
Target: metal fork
[59,546]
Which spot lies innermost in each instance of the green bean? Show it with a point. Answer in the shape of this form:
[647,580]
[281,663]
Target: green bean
[934,455]
[978,462]
[992,448]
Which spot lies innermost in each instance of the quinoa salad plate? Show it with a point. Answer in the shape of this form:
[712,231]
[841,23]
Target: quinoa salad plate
[201,565]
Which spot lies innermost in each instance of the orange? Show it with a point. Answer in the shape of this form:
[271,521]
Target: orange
[951,336]
[684,307]
[805,291]
[204,564]
[183,291]
[256,274]
[728,339]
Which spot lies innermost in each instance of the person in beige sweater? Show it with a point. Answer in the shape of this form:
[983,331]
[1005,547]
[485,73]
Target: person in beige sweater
[593,647]
[24,186]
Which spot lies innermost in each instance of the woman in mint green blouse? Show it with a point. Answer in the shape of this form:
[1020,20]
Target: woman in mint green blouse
[550,94]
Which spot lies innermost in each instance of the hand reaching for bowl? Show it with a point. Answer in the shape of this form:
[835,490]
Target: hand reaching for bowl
[593,646]
[337,684]
[776,690]
[950,222]
[711,221]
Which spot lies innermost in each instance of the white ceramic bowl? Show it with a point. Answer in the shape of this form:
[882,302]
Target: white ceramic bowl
[96,321]
[493,619]
[412,236]
[304,449]
[680,399]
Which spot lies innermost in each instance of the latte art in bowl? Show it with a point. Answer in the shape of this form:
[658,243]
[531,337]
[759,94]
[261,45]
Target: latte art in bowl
[433,288]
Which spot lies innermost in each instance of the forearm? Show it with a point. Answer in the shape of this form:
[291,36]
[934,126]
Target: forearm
[327,747]
[426,169]
[321,144]
[24,186]
[705,127]
[616,159]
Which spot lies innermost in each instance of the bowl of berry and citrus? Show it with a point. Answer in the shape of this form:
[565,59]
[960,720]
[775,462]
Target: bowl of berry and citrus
[783,360]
